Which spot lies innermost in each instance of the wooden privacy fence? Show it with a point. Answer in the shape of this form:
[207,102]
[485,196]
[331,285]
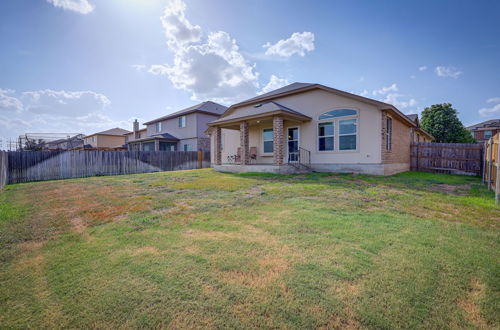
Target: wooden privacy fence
[42,165]
[3,169]
[452,158]
[491,170]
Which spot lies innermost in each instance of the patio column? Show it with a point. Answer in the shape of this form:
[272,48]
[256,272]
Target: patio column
[244,143]
[278,145]
[217,145]
[157,145]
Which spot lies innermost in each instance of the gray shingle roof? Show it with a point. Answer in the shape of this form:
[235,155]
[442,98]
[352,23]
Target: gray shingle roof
[206,107]
[284,89]
[113,131]
[260,109]
[412,116]
[484,124]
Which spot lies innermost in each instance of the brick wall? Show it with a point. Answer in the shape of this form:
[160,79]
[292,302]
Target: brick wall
[401,139]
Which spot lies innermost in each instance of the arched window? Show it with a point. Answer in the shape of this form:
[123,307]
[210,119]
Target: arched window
[337,133]
[338,113]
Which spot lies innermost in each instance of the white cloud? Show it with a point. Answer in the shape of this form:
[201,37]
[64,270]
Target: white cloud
[64,103]
[178,29]
[298,43]
[493,100]
[9,103]
[452,72]
[422,68]
[211,69]
[139,67]
[274,83]
[80,6]
[395,100]
[491,111]
[54,111]
[385,90]
[364,93]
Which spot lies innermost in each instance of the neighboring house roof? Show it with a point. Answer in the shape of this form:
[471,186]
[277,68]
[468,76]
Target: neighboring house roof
[114,131]
[164,136]
[297,87]
[493,123]
[413,117]
[207,107]
[262,109]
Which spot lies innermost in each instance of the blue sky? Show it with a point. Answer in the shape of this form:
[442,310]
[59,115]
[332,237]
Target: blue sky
[89,65]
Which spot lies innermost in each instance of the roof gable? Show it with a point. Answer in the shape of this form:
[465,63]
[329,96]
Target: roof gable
[207,107]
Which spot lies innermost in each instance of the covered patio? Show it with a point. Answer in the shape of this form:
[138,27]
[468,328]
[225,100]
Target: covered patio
[260,149]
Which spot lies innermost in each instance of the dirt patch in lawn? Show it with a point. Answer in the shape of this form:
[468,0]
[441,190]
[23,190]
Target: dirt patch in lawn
[470,305]
[458,190]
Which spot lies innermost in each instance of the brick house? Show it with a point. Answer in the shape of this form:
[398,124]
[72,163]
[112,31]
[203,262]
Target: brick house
[183,130]
[312,127]
[483,131]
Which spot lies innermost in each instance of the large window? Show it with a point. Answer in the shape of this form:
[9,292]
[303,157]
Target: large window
[182,121]
[149,146]
[168,146]
[388,134]
[338,130]
[268,138]
[326,136]
[347,134]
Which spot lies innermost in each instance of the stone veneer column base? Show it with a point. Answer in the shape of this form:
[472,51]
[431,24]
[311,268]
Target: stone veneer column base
[278,145]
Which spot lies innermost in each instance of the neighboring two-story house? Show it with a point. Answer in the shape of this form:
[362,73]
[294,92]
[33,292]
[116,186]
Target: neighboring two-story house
[109,139]
[482,132]
[183,130]
[136,133]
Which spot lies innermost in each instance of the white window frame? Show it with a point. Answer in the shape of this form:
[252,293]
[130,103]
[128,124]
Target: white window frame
[182,121]
[324,121]
[336,130]
[339,135]
[262,136]
[158,127]
[388,133]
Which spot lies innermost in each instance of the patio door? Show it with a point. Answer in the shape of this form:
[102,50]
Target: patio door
[293,144]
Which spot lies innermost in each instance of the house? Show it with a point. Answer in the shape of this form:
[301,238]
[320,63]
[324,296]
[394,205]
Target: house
[418,134]
[110,139]
[183,130]
[482,132]
[69,143]
[306,126]
[136,133]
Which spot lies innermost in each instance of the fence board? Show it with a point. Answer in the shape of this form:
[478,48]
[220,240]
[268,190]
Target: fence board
[42,165]
[3,169]
[453,158]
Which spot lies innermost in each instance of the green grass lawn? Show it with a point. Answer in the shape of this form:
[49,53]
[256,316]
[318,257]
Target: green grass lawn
[201,249]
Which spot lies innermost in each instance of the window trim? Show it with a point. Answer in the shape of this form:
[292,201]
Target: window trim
[182,121]
[355,134]
[336,140]
[287,140]
[264,153]
[324,121]
[388,133]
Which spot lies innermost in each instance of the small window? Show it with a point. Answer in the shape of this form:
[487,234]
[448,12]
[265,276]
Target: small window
[158,127]
[182,121]
[388,134]
[347,134]
[187,147]
[268,138]
[488,134]
[338,113]
[325,136]
[126,138]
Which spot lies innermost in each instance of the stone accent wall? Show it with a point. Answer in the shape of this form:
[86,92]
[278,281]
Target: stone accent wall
[217,132]
[244,143]
[204,144]
[278,136]
[401,140]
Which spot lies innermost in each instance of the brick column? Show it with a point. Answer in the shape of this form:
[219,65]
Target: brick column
[278,145]
[217,145]
[244,144]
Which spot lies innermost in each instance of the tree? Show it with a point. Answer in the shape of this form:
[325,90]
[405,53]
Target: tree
[441,121]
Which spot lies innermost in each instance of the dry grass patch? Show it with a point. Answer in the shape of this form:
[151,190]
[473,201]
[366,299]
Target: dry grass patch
[470,305]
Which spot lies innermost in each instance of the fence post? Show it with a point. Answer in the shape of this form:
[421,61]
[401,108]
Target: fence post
[484,157]
[497,178]
[200,159]
[490,165]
